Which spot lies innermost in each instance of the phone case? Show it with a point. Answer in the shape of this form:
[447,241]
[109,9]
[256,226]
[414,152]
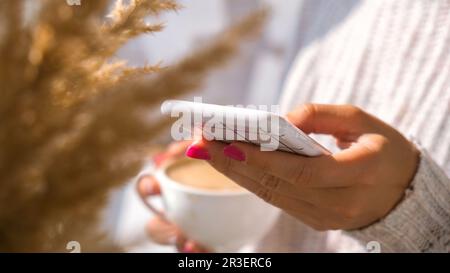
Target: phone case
[268,130]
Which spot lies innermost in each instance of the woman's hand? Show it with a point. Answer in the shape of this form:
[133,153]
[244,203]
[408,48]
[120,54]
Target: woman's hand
[347,190]
[159,229]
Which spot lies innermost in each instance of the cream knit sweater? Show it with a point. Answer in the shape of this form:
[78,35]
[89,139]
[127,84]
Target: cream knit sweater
[391,58]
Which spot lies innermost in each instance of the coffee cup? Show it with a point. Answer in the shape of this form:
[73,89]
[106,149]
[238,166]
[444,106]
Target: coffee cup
[209,208]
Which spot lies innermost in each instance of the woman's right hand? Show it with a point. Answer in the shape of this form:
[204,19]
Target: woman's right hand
[159,229]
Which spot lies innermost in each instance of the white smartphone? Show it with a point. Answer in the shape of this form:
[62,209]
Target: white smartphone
[268,130]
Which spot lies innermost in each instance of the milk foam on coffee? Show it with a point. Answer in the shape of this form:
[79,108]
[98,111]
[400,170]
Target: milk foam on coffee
[199,174]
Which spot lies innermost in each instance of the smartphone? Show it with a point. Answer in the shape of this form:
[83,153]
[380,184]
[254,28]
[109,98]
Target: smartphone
[268,130]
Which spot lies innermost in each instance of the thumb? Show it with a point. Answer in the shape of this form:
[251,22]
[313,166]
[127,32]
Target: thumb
[341,121]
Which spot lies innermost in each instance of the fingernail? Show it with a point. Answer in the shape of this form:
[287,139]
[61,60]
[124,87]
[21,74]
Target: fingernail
[197,152]
[234,153]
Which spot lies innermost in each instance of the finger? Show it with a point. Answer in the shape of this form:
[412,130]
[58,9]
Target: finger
[318,172]
[311,214]
[159,159]
[321,197]
[147,186]
[175,149]
[326,197]
[342,121]
[189,246]
[163,232]
[317,207]
[268,195]
[312,199]
[271,182]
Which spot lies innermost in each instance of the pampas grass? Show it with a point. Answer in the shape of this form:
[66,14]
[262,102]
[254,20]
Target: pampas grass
[72,115]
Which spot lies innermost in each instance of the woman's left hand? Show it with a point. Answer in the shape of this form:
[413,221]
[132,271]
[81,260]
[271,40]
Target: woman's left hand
[347,190]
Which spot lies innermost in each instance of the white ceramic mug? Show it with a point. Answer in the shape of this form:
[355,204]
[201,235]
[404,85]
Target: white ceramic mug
[222,221]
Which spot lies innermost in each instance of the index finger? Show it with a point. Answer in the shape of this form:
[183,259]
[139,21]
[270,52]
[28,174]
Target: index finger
[317,172]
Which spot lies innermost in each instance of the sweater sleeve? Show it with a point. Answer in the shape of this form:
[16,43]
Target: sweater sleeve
[421,221]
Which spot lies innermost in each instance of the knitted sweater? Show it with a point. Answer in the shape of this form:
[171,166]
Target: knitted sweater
[392,59]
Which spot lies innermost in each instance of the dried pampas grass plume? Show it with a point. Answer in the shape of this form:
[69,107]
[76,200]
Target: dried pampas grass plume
[71,114]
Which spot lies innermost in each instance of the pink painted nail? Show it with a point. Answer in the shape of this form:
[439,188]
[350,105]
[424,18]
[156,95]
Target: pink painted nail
[197,152]
[234,153]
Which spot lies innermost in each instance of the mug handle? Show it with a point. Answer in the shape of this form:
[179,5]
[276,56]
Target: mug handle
[144,199]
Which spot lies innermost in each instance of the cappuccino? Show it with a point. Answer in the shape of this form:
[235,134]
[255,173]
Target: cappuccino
[199,174]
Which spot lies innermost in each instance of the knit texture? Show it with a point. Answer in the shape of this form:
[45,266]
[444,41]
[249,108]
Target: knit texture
[392,59]
[421,222]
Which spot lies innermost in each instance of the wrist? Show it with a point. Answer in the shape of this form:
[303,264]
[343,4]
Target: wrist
[420,222]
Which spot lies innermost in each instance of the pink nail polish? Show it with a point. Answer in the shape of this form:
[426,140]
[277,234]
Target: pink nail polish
[196,152]
[234,153]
